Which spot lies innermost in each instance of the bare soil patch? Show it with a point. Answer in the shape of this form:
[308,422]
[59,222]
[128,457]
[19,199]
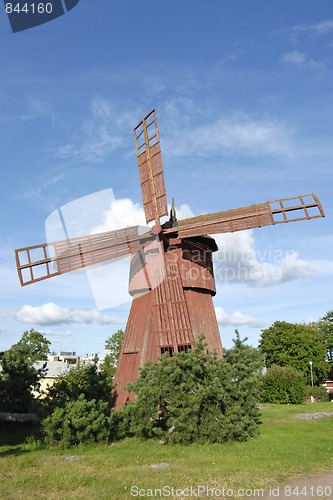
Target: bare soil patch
[313,486]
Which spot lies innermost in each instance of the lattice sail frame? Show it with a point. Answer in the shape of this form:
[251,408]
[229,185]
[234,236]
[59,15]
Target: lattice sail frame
[304,207]
[37,263]
[40,262]
[149,156]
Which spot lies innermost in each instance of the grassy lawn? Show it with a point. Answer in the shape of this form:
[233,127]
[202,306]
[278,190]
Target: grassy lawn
[286,447]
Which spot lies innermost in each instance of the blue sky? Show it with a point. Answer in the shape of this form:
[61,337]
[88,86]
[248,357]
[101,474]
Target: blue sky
[244,98]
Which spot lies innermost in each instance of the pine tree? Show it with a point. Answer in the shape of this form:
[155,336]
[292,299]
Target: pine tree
[193,396]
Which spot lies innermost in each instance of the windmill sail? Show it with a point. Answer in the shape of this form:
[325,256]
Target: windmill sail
[40,262]
[148,152]
[262,214]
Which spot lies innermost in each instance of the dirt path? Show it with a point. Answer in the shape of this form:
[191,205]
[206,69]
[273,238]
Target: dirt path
[314,486]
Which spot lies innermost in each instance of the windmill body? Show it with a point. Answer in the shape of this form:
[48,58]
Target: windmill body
[169,317]
[171,272]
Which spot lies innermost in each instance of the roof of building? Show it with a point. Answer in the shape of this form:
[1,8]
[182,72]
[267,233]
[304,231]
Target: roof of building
[53,368]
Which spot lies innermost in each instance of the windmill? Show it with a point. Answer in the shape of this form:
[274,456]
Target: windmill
[171,273]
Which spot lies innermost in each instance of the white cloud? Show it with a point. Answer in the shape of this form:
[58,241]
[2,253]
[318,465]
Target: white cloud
[293,58]
[237,134]
[52,314]
[238,261]
[103,132]
[296,58]
[47,314]
[318,29]
[237,319]
[38,191]
[96,143]
[121,213]
[37,108]
[184,212]
[56,333]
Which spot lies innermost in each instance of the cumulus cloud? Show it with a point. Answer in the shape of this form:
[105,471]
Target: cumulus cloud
[238,261]
[121,213]
[236,318]
[53,314]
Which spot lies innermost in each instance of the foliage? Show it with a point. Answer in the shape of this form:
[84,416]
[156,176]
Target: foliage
[193,396]
[78,422]
[284,385]
[80,379]
[319,393]
[18,377]
[243,364]
[113,345]
[325,327]
[295,345]
[33,345]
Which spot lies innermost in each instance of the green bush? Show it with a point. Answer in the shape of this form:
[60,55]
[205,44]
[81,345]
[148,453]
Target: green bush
[319,393]
[283,384]
[80,421]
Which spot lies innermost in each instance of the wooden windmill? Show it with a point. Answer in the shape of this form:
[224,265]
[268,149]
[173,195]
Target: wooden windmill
[171,273]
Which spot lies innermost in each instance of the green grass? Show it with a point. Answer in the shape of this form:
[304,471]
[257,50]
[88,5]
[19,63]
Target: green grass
[286,447]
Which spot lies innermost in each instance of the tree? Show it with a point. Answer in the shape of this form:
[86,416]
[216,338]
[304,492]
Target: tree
[80,379]
[292,344]
[243,364]
[18,380]
[193,396]
[33,345]
[325,327]
[18,377]
[113,344]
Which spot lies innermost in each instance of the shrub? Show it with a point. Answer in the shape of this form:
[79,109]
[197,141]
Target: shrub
[283,384]
[318,393]
[193,396]
[80,421]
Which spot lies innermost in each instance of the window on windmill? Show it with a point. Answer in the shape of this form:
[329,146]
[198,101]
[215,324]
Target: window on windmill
[186,347]
[168,349]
